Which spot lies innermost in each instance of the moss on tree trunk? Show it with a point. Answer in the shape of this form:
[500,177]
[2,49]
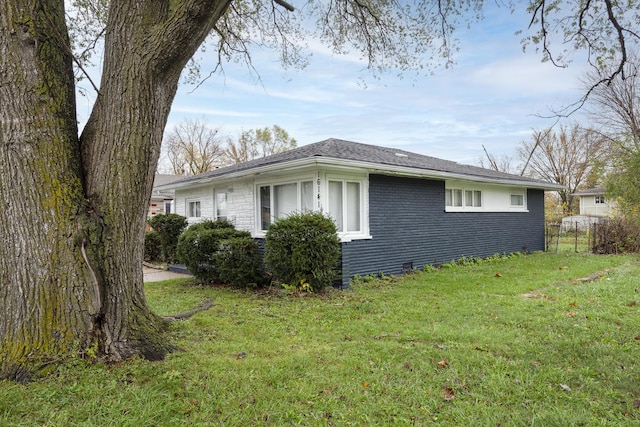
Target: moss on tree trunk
[74,208]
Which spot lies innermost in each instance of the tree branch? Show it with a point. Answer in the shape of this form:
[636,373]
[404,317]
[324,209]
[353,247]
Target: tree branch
[205,305]
[284,4]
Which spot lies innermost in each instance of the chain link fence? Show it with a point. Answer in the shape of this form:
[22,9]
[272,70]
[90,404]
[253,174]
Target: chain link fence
[569,238]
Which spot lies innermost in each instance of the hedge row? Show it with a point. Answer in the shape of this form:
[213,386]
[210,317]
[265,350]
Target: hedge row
[301,251]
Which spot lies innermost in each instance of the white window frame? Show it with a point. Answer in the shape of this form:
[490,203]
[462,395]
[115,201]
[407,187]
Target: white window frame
[457,199]
[260,231]
[216,193]
[168,206]
[522,205]
[599,200]
[363,203]
[188,210]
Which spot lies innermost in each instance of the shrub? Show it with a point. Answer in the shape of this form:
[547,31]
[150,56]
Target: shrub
[238,263]
[168,227]
[303,249]
[152,246]
[616,236]
[214,251]
[212,225]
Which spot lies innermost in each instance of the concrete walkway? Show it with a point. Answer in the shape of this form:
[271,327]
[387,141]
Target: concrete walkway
[156,275]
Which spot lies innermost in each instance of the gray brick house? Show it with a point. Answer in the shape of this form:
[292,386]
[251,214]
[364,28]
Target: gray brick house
[395,210]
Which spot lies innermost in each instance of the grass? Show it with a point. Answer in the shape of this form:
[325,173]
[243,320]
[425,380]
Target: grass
[552,340]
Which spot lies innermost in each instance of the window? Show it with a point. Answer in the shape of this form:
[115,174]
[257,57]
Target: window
[517,200]
[280,200]
[473,198]
[221,205]
[459,198]
[345,205]
[600,200]
[193,209]
[167,206]
[306,196]
[265,207]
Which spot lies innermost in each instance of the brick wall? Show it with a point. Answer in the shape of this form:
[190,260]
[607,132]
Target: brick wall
[410,227]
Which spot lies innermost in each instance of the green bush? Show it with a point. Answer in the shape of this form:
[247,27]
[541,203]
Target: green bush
[238,263]
[152,246]
[211,225]
[214,251]
[168,227]
[303,250]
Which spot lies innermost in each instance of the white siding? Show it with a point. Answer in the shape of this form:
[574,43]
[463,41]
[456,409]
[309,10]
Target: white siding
[203,194]
[240,202]
[589,207]
[495,198]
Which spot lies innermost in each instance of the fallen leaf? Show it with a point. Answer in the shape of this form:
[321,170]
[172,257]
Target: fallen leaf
[637,337]
[443,364]
[565,387]
[573,304]
[636,403]
[569,313]
[498,275]
[365,384]
[449,393]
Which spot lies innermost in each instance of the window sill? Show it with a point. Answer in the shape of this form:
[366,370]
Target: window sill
[346,238]
[477,210]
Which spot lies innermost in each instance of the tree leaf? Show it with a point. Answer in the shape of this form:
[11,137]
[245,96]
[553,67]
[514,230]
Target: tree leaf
[449,393]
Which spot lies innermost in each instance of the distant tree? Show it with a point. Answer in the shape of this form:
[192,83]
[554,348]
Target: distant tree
[568,156]
[253,144]
[194,147]
[616,107]
[504,163]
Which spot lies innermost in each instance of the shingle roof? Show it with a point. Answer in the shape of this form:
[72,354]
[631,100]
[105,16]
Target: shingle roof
[369,154]
[597,191]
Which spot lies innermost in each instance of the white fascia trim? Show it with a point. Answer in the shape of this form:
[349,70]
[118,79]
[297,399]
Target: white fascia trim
[424,173]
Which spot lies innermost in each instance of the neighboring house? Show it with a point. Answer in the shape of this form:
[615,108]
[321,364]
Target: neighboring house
[161,201]
[593,208]
[395,210]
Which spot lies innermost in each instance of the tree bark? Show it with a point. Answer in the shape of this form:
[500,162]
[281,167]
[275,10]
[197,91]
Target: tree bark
[74,209]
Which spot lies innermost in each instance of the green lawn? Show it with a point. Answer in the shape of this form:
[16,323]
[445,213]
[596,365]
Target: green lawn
[541,340]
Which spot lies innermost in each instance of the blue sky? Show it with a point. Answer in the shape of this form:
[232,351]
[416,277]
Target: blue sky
[492,96]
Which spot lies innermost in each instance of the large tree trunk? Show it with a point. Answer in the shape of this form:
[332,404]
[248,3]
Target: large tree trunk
[74,209]
[48,298]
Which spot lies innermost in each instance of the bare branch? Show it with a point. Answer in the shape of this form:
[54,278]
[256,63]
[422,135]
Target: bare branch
[284,4]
